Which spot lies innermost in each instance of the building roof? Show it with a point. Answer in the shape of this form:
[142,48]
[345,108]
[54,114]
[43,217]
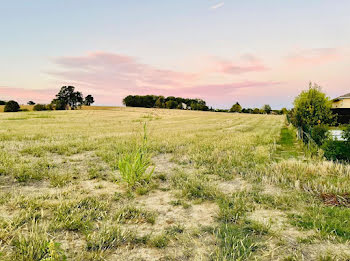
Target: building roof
[345,96]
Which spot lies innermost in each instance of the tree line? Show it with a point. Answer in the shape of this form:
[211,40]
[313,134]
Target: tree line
[171,102]
[67,98]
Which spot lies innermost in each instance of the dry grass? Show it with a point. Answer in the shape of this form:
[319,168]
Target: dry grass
[224,188]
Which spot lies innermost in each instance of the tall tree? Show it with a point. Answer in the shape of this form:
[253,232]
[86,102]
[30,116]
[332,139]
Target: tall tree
[89,100]
[236,108]
[68,97]
[267,108]
[312,107]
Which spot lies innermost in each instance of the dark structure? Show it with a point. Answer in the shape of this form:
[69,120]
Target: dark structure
[341,107]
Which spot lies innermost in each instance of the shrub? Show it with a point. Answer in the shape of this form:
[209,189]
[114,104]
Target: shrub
[11,106]
[336,150]
[40,107]
[236,108]
[319,133]
[346,133]
[311,108]
[50,107]
[2,102]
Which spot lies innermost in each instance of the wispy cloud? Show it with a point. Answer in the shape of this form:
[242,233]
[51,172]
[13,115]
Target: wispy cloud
[314,56]
[110,77]
[219,5]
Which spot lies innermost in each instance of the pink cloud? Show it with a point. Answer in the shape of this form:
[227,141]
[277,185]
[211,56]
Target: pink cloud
[104,67]
[110,77]
[245,64]
[23,95]
[315,56]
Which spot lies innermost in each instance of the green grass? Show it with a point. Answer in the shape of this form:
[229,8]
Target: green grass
[288,147]
[131,214]
[329,221]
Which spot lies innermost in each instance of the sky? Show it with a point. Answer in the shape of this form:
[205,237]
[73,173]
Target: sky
[255,52]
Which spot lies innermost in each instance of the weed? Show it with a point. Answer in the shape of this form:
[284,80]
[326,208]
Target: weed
[134,166]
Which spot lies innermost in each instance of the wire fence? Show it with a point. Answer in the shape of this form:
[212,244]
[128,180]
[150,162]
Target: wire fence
[306,138]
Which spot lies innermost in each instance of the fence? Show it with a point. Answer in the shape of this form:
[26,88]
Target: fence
[306,138]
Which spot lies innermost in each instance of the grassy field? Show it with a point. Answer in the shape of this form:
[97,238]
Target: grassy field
[224,187]
[30,107]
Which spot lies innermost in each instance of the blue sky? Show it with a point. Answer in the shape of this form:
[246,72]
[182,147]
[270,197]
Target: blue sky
[254,52]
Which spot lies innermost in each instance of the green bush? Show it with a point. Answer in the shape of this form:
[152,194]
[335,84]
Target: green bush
[11,106]
[40,107]
[346,133]
[319,133]
[336,150]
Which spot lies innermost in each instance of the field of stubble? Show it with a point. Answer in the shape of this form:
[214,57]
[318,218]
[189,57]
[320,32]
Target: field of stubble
[225,187]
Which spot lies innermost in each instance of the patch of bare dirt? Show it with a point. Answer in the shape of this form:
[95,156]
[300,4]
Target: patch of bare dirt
[160,202]
[36,189]
[272,190]
[277,222]
[233,186]
[98,187]
[137,253]
[163,163]
[337,251]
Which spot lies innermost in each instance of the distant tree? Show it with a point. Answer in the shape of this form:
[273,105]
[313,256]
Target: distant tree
[89,100]
[69,97]
[160,103]
[171,104]
[2,102]
[247,110]
[267,108]
[59,105]
[236,108]
[11,106]
[31,103]
[256,111]
[311,108]
[284,111]
[40,107]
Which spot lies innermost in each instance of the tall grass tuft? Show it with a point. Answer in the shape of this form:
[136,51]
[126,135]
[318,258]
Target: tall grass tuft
[134,166]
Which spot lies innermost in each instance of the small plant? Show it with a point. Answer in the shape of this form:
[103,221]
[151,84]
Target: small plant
[134,166]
